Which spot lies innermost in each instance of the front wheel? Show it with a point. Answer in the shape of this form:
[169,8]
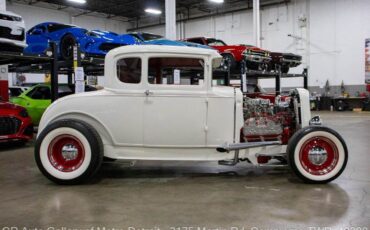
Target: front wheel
[69,152]
[317,154]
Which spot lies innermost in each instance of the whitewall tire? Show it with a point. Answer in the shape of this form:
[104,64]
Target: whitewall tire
[69,152]
[317,154]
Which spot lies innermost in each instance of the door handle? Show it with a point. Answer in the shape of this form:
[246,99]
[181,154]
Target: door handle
[147,93]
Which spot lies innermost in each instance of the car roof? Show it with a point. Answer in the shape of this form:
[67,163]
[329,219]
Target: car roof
[162,49]
[55,23]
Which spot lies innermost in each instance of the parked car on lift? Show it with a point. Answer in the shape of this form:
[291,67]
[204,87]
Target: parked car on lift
[94,42]
[284,61]
[256,58]
[12,32]
[15,123]
[154,39]
[38,98]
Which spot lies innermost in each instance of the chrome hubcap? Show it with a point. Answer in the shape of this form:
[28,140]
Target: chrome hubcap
[69,152]
[317,155]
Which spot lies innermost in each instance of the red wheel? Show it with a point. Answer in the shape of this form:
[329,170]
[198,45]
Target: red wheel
[317,154]
[66,153]
[69,151]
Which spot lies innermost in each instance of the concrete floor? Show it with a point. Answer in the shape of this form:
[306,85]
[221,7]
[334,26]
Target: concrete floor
[200,195]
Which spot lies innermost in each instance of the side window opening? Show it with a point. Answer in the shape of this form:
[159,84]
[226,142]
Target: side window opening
[176,71]
[40,93]
[129,70]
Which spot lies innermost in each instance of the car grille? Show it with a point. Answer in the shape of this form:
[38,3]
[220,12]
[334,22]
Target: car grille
[9,125]
[5,32]
[259,53]
[109,46]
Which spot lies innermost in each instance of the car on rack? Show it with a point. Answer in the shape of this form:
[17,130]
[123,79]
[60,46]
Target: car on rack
[284,61]
[159,103]
[15,124]
[154,39]
[92,43]
[37,98]
[12,32]
[255,58]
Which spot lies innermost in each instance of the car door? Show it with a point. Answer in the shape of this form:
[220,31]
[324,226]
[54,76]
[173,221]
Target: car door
[123,110]
[37,40]
[175,106]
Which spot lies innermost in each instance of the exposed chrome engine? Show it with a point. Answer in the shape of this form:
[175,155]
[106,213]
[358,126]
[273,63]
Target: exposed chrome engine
[266,121]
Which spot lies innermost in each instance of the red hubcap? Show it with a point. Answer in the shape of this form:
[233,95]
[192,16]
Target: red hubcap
[66,153]
[318,155]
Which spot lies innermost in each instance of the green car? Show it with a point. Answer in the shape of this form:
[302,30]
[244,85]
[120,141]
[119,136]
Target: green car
[37,98]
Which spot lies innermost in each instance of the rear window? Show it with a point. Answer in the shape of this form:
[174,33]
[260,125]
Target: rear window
[215,42]
[129,70]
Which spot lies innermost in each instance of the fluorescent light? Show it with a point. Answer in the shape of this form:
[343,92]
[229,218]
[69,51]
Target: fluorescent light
[153,11]
[217,1]
[78,1]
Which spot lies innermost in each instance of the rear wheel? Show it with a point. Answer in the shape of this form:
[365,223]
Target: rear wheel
[66,47]
[317,154]
[69,152]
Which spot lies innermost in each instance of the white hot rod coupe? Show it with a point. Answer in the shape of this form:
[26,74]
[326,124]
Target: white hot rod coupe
[160,103]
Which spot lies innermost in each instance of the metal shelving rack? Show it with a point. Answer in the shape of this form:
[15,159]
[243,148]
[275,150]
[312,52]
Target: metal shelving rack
[246,74]
[23,63]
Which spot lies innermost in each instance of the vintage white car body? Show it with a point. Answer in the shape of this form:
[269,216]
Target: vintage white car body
[146,121]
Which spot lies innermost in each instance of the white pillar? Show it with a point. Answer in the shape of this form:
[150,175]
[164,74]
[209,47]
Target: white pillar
[3,5]
[256,23]
[171,19]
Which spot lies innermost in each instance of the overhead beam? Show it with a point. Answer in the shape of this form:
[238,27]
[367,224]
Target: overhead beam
[190,18]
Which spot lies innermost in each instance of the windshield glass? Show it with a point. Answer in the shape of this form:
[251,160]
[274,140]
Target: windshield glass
[215,42]
[56,27]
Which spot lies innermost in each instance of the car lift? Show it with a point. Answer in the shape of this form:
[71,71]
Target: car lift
[49,63]
[245,74]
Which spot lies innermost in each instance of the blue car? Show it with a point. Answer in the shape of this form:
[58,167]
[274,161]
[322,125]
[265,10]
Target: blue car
[154,39]
[93,43]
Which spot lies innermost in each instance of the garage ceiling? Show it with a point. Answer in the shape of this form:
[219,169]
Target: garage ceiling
[133,10]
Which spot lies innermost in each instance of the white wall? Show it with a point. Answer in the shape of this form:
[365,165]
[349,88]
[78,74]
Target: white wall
[332,42]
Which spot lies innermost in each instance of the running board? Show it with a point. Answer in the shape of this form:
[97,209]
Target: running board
[246,145]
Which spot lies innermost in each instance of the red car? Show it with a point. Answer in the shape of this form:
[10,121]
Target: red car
[256,58]
[15,124]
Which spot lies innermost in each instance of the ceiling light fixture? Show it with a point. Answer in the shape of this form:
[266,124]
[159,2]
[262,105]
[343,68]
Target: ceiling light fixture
[217,1]
[153,11]
[78,1]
